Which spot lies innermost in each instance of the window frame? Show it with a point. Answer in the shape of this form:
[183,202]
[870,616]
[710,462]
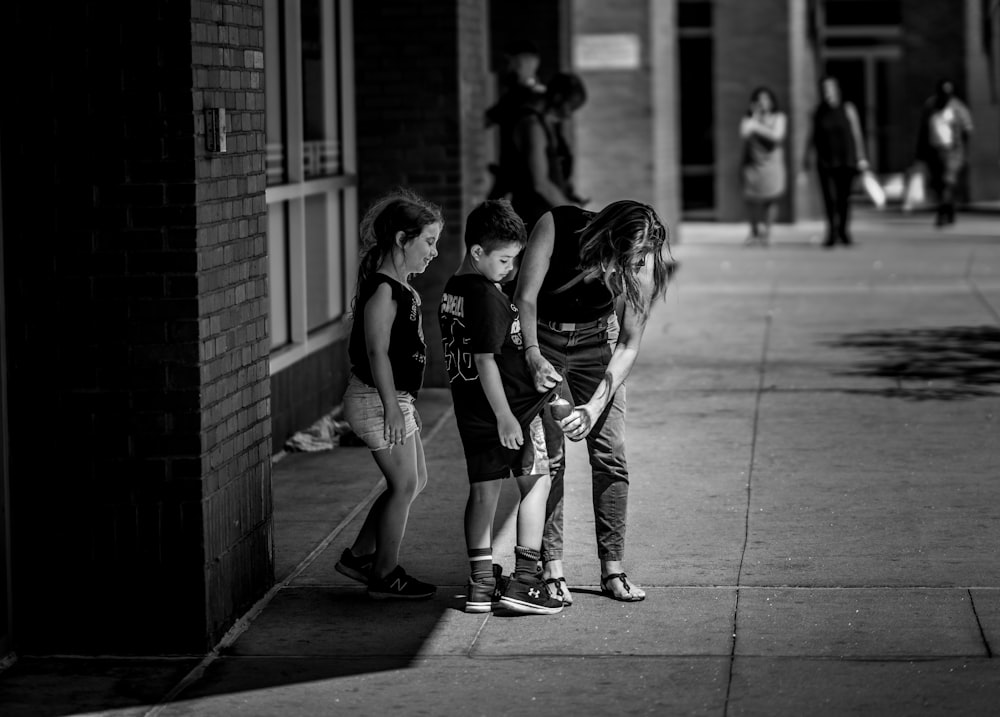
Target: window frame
[340,188]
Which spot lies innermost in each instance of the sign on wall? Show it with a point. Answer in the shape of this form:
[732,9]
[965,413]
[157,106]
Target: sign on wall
[609,51]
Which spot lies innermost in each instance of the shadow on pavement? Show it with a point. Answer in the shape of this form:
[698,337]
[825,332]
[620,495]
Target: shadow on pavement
[949,363]
[57,686]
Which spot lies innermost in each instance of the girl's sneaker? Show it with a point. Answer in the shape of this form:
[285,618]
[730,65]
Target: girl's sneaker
[399,586]
[529,596]
[355,567]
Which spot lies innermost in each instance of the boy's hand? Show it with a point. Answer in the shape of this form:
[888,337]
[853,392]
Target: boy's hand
[542,371]
[395,425]
[509,431]
[578,424]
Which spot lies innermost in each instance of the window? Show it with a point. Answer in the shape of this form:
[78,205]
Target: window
[697,109]
[311,173]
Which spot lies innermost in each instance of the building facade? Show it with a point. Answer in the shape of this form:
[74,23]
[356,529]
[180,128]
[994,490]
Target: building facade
[180,188]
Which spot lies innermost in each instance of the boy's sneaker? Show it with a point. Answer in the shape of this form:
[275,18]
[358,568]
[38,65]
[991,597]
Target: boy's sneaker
[355,567]
[481,595]
[529,596]
[399,586]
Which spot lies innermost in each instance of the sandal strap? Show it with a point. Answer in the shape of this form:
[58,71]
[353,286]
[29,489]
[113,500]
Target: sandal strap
[558,583]
[621,576]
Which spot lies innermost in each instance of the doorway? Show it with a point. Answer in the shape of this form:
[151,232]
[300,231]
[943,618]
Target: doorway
[6,621]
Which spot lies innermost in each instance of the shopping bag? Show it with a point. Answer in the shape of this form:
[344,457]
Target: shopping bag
[916,190]
[873,189]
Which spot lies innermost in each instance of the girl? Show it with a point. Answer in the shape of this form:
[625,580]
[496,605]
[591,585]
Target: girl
[399,235]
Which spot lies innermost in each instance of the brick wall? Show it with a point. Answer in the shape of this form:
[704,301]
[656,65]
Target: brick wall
[614,129]
[307,390]
[420,72]
[228,63]
[135,293]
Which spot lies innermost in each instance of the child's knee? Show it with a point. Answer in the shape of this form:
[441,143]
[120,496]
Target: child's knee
[534,484]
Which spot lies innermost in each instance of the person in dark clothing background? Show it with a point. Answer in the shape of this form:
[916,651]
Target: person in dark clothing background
[541,160]
[519,87]
[838,149]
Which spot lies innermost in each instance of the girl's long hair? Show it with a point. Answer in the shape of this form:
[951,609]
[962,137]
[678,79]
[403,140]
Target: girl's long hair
[618,241]
[401,210]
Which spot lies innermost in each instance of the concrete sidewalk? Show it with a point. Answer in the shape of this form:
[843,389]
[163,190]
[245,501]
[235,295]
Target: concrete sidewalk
[815,516]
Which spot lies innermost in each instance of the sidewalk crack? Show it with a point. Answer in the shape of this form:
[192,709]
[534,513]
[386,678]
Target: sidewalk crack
[762,372]
[979,624]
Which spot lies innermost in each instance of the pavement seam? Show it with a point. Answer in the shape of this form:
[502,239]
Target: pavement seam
[244,622]
[761,371]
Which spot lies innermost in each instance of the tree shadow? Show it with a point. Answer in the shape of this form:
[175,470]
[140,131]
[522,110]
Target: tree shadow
[948,363]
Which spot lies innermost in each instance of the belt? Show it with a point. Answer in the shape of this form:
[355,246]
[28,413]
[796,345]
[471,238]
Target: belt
[564,326]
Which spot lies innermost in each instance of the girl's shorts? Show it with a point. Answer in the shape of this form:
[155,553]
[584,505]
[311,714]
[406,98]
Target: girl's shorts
[363,410]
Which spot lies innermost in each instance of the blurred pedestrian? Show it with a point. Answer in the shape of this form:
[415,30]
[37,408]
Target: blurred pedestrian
[837,147]
[519,86]
[942,141]
[763,172]
[541,162]
[579,267]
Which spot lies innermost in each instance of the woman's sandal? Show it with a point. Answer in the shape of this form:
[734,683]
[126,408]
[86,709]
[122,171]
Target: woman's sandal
[608,592]
[559,593]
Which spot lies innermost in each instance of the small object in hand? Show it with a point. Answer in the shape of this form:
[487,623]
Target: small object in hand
[560,408]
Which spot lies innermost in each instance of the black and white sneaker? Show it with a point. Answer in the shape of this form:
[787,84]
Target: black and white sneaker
[528,596]
[354,566]
[397,585]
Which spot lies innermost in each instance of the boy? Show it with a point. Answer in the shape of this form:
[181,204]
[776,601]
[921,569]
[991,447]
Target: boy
[497,409]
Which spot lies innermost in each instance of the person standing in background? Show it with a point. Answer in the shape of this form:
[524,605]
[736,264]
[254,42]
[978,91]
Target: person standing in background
[519,86]
[763,172]
[942,139]
[541,157]
[837,146]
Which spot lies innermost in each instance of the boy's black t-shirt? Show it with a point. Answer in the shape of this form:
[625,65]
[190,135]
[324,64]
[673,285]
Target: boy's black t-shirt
[476,317]
[407,350]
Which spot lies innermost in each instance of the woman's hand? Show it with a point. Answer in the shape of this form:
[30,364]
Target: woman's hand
[395,425]
[542,372]
[509,431]
[579,423]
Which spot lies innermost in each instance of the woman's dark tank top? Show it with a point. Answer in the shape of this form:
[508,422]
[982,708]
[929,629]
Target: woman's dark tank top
[407,350]
[584,301]
[833,137]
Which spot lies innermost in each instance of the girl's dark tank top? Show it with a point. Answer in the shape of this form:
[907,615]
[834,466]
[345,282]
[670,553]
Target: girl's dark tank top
[407,350]
[584,301]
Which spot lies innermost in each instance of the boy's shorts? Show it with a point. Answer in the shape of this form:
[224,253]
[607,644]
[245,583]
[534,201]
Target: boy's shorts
[530,459]
[363,410]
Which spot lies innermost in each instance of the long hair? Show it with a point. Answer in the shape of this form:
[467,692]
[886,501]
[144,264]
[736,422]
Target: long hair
[762,90]
[401,210]
[618,242]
